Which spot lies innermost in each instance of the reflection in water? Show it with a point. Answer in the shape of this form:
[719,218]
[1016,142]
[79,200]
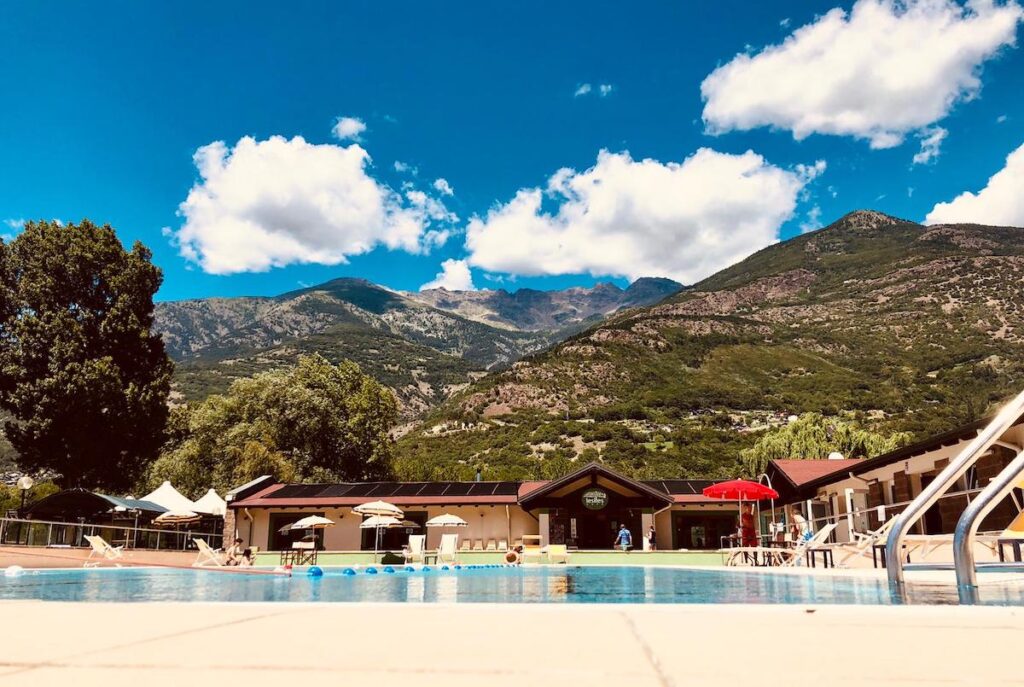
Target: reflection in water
[562,584]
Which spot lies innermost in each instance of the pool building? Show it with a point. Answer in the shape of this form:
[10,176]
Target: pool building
[584,509]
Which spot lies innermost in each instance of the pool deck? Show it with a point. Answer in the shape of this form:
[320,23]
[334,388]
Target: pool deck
[158,644]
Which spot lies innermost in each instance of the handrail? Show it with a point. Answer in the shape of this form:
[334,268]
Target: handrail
[967,525]
[945,479]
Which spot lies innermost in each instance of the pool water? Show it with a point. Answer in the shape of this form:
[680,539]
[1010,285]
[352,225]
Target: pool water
[480,585]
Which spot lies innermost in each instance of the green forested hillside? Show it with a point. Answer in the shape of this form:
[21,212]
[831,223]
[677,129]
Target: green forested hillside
[897,325]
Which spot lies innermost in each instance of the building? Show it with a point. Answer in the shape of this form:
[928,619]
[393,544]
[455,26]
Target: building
[583,510]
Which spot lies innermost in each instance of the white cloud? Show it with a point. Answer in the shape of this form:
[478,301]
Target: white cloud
[1000,119]
[605,89]
[443,187]
[276,202]
[18,223]
[785,22]
[887,69]
[454,276]
[813,220]
[582,89]
[1000,203]
[931,142]
[633,218]
[406,168]
[348,128]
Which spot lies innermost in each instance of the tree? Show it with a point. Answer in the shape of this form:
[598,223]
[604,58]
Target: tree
[81,371]
[813,436]
[311,422]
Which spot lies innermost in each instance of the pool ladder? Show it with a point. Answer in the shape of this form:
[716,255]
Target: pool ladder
[967,526]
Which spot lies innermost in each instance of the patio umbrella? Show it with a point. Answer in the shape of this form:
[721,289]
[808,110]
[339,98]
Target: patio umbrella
[379,508]
[382,522]
[740,490]
[311,523]
[177,517]
[447,520]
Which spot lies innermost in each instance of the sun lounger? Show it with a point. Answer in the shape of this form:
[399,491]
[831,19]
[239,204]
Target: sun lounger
[101,548]
[816,542]
[447,552]
[863,542]
[558,553]
[414,550]
[503,545]
[769,555]
[207,556]
[491,545]
[478,544]
[466,545]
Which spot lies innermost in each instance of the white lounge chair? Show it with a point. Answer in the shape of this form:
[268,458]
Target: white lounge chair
[491,545]
[447,551]
[799,554]
[558,553]
[207,556]
[104,550]
[414,551]
[863,542]
[503,545]
[467,544]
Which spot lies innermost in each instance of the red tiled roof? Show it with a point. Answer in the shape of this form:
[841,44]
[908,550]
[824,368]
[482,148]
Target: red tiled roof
[801,472]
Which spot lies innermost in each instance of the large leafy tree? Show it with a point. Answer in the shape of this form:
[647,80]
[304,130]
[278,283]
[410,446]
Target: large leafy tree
[311,422]
[82,374]
[813,436]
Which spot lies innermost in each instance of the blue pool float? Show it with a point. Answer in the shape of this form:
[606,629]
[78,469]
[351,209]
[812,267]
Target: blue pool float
[409,568]
[371,571]
[426,568]
[315,571]
[348,571]
[389,569]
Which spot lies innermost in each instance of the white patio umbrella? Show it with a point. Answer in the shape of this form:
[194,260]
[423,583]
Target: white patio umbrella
[312,523]
[380,508]
[447,520]
[177,517]
[382,522]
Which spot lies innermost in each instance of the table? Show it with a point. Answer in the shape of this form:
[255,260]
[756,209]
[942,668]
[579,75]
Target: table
[827,560]
[1015,544]
[878,553]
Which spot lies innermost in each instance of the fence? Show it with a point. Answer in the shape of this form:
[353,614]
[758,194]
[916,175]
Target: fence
[16,531]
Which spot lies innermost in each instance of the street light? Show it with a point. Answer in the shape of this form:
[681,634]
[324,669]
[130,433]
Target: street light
[24,483]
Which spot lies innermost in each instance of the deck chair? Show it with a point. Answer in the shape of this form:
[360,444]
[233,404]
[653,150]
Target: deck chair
[532,553]
[558,553]
[478,544]
[467,544]
[491,545]
[447,551]
[799,554]
[414,551]
[101,548]
[207,556]
[503,545]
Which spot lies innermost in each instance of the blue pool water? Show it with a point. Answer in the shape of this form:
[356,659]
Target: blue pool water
[480,585]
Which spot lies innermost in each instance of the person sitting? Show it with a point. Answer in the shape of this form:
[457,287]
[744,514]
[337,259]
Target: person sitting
[247,560]
[234,554]
[798,527]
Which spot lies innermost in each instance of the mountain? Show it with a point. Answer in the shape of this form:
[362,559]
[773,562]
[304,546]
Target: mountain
[902,326]
[532,310]
[424,352]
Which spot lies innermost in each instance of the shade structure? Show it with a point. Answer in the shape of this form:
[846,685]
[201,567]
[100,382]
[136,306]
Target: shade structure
[447,520]
[312,522]
[180,517]
[170,498]
[379,508]
[380,521]
[211,503]
[740,490]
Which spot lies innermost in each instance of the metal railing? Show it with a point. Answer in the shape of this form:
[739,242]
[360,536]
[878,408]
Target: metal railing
[967,526]
[986,439]
[52,533]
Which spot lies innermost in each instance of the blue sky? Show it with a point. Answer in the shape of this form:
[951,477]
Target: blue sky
[106,107]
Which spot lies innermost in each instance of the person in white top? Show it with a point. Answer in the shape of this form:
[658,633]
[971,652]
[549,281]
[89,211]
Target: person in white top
[798,527]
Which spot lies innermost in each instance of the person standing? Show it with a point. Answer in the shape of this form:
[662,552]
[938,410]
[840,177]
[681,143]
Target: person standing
[748,533]
[624,540]
[652,540]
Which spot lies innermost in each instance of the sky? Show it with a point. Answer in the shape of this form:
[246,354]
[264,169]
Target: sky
[261,147]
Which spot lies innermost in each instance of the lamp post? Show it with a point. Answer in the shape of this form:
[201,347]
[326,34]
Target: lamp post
[25,483]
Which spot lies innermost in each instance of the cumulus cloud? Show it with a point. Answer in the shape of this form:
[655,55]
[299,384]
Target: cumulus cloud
[633,218]
[931,142]
[1000,203]
[406,168]
[271,203]
[582,89]
[886,69]
[346,128]
[443,187]
[454,276]
[605,89]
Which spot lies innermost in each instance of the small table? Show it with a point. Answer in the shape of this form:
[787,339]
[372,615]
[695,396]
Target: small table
[1015,544]
[827,560]
[878,554]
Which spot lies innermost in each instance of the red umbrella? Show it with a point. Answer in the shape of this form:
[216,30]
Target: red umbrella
[740,490]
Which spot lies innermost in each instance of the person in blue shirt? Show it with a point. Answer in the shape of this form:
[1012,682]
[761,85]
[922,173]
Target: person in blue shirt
[624,540]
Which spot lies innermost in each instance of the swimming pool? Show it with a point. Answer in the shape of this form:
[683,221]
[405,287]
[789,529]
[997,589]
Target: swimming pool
[647,585]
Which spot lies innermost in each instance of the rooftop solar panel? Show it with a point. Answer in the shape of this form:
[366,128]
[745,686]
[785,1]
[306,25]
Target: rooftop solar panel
[459,488]
[409,489]
[481,489]
[433,489]
[336,490]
